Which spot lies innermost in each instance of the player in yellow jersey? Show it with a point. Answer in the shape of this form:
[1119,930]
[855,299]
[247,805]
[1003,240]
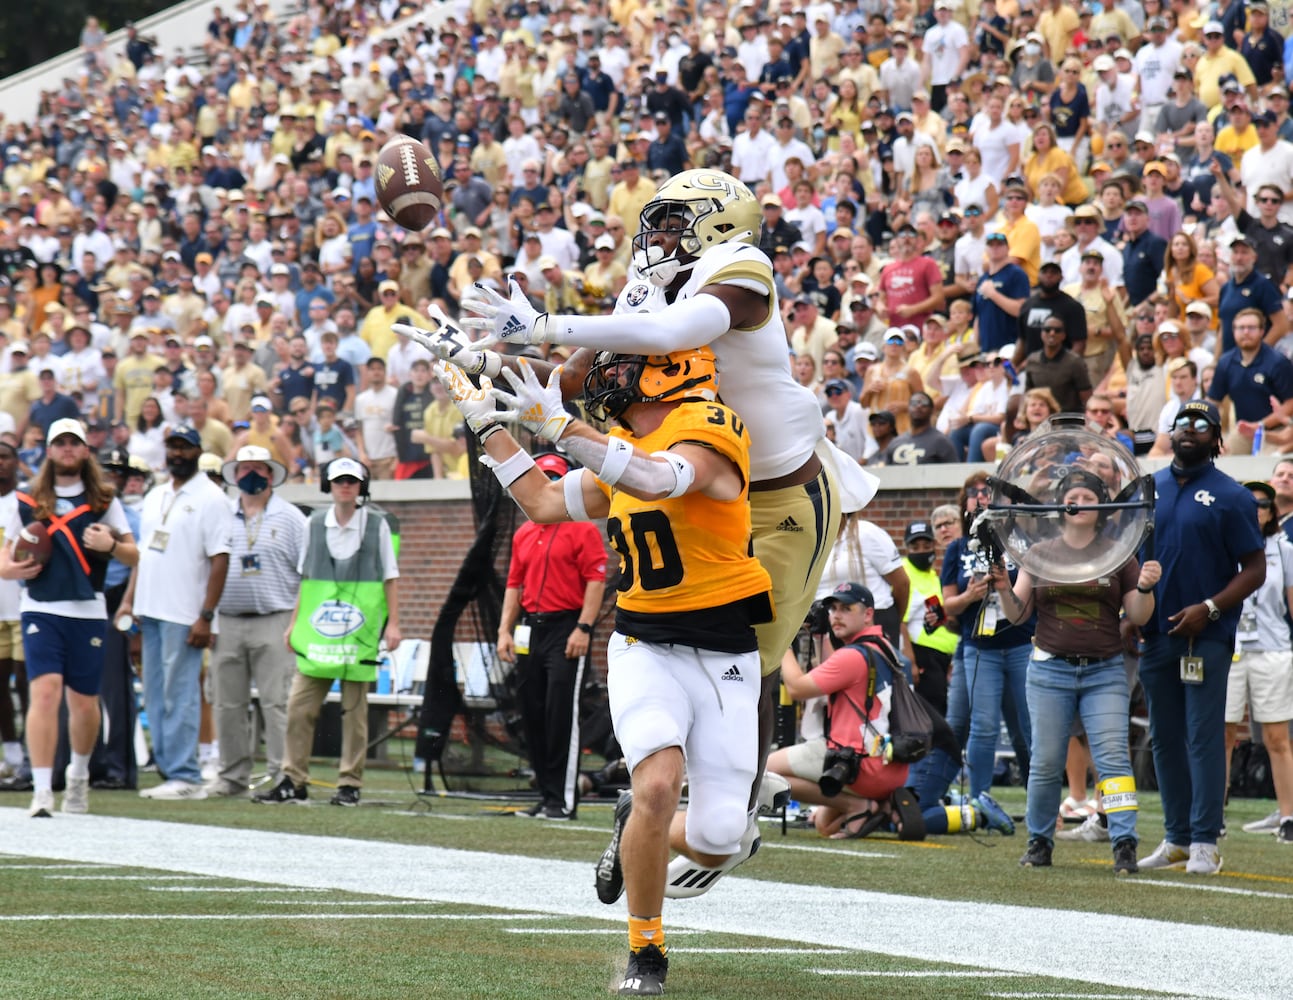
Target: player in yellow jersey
[699,279]
[683,662]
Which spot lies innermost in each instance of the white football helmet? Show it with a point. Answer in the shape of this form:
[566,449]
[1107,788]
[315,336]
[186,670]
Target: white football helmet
[716,207]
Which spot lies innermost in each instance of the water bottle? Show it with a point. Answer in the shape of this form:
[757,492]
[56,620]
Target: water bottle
[1257,439]
[793,811]
[384,675]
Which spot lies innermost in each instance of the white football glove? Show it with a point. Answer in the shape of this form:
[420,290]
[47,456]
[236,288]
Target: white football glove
[533,406]
[506,321]
[448,342]
[475,404]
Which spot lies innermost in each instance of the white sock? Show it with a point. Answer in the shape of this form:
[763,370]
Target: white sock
[42,779]
[207,751]
[13,753]
[80,766]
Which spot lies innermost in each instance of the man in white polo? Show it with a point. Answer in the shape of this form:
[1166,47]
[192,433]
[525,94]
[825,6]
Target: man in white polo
[184,557]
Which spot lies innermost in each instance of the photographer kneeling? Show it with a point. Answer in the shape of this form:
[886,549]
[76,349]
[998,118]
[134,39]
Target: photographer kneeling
[846,772]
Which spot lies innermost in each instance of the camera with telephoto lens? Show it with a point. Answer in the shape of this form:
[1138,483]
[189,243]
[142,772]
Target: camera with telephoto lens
[839,769]
[818,620]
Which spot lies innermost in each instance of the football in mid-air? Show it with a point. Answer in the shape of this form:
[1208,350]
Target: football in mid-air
[33,543]
[409,187]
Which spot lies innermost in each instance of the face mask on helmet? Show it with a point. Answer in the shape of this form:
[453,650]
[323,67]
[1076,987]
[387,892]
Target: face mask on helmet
[617,381]
[703,208]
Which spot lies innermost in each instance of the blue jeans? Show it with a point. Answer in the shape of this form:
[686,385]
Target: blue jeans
[1187,730]
[958,698]
[981,432]
[1057,690]
[172,671]
[989,674]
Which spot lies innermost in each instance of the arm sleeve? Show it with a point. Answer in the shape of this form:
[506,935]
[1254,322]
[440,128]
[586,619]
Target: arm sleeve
[689,323]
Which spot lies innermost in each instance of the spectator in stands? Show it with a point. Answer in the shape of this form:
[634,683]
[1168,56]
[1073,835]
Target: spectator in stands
[922,444]
[1059,370]
[1254,377]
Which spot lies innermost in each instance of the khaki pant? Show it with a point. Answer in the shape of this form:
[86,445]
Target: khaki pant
[382,468]
[250,650]
[303,704]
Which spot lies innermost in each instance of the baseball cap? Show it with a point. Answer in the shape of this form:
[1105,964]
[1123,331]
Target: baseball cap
[917,529]
[882,416]
[261,403]
[1198,308]
[866,351]
[770,199]
[68,425]
[186,433]
[1214,28]
[547,261]
[389,286]
[1196,408]
[203,341]
[604,243]
[850,593]
[835,385]
[552,465]
[1103,64]
[339,467]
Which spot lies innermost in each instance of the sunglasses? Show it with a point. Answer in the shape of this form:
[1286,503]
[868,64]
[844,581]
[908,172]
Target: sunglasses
[1052,329]
[1200,425]
[978,491]
[835,392]
[301,412]
[1270,201]
[1264,504]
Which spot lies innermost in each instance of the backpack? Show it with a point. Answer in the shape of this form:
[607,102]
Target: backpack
[911,720]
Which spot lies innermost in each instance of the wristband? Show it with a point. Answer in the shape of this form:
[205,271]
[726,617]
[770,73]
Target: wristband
[1144,590]
[586,629]
[618,454]
[513,468]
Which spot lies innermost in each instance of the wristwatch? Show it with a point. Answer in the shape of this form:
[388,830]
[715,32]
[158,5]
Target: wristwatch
[585,628]
[207,615]
[1214,612]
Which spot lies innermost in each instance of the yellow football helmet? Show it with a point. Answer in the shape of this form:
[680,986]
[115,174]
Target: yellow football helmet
[617,381]
[716,208]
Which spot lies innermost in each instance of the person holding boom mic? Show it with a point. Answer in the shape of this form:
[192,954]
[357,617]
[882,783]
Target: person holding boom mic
[1077,667]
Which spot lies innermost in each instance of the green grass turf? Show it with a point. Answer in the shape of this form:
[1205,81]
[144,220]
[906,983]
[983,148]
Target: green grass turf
[294,956]
[983,867]
[369,955]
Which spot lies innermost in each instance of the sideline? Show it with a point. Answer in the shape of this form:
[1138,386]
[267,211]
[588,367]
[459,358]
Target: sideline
[1135,953]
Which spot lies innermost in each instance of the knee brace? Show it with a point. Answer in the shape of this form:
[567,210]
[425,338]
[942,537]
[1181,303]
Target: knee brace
[717,821]
[1119,794]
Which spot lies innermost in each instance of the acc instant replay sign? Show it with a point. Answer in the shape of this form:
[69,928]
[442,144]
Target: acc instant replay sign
[335,619]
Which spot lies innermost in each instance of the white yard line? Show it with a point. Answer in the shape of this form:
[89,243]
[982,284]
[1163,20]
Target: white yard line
[134,878]
[1199,887]
[163,917]
[923,973]
[1136,953]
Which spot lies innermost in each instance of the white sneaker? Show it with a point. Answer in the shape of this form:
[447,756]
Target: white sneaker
[211,769]
[1267,824]
[1091,831]
[686,879]
[42,805]
[173,790]
[76,796]
[1166,855]
[774,793]
[1205,859]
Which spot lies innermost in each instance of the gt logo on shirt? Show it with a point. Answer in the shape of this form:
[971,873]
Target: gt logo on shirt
[1205,498]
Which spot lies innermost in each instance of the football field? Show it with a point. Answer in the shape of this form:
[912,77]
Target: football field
[229,899]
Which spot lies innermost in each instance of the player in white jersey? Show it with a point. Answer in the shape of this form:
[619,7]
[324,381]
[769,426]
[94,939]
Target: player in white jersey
[706,283]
